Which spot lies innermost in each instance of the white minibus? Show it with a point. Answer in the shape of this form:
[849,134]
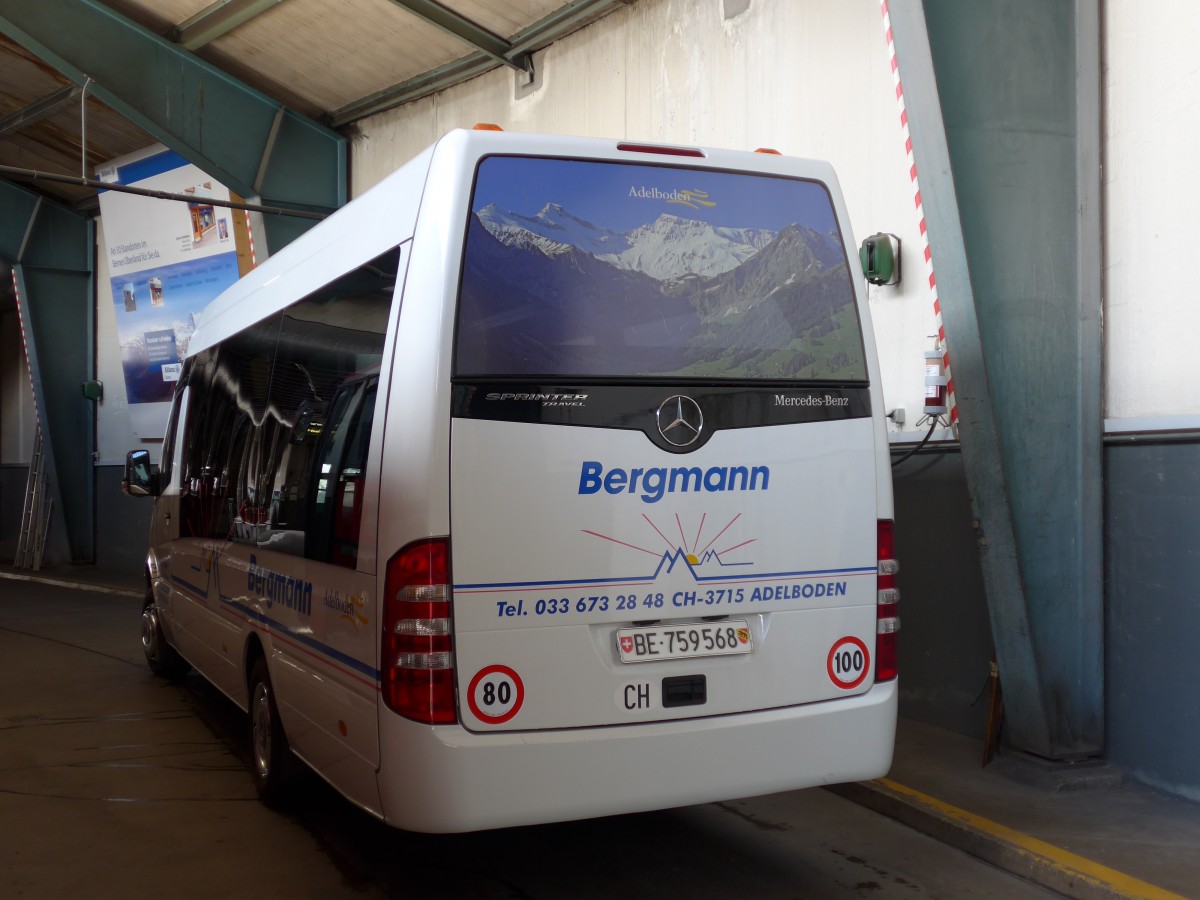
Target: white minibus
[547,479]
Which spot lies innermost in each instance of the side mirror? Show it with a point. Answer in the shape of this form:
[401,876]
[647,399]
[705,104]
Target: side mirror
[139,481]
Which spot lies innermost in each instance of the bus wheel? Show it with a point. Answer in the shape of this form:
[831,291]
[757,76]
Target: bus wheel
[271,760]
[162,658]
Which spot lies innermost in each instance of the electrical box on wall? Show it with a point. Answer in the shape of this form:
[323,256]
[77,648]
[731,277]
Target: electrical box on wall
[936,384]
[880,258]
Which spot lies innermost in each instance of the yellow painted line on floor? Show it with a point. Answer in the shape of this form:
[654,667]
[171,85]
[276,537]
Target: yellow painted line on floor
[1046,854]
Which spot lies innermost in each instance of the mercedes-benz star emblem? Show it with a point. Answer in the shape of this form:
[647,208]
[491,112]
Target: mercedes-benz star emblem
[680,420]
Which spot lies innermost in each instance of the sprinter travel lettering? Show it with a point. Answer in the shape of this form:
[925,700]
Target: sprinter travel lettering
[654,482]
[279,588]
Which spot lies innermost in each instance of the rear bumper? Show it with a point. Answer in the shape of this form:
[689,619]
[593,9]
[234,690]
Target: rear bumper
[446,779]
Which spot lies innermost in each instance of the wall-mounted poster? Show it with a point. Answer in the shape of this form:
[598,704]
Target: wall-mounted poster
[167,260]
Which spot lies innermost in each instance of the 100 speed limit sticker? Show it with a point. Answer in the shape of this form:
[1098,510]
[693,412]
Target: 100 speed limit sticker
[495,694]
[848,662]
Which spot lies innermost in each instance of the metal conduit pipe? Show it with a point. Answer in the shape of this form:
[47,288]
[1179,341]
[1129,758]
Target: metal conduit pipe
[35,175]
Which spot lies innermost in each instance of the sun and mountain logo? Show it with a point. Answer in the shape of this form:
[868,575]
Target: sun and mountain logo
[349,608]
[690,548]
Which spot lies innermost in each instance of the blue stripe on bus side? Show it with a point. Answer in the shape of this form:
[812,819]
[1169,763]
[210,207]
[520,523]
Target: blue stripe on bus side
[324,649]
[201,593]
[349,661]
[642,579]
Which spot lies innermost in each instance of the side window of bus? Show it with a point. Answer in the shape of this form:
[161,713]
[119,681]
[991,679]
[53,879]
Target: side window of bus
[228,387]
[326,363]
[338,475]
[194,478]
[166,462]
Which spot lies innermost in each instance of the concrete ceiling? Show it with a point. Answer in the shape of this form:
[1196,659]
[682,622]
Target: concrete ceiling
[335,61]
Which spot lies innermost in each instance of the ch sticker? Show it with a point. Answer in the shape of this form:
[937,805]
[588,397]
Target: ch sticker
[848,663]
[495,694]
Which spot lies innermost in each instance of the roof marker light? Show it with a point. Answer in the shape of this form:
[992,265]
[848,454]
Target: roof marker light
[486,126]
[768,150]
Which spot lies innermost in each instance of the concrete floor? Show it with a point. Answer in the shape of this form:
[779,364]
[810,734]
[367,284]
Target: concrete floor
[113,782]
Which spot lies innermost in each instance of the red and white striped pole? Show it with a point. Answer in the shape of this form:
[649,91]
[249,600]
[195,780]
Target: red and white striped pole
[250,239]
[925,249]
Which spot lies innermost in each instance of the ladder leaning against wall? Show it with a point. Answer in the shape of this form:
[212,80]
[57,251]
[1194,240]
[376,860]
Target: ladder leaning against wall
[35,515]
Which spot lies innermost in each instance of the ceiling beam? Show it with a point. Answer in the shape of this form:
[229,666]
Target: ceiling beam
[558,24]
[39,109]
[469,32]
[217,19]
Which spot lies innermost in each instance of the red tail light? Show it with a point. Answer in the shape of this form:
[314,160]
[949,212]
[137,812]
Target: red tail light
[887,598]
[417,659]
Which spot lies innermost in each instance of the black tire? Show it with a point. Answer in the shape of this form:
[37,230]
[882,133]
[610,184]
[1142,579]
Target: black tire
[271,761]
[161,657]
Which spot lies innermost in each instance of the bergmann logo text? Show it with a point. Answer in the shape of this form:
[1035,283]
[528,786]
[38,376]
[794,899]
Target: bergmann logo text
[277,588]
[655,481]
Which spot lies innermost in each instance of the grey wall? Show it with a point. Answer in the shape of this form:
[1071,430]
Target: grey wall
[122,524]
[12,501]
[945,638]
[1152,605]
[1152,575]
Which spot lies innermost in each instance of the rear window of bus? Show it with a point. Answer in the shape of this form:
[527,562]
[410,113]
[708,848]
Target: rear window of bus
[579,268]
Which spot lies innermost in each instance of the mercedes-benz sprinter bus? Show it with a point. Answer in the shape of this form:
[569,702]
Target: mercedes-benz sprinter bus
[548,479]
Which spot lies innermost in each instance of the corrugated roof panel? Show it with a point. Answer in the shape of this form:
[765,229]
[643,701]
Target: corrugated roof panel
[53,145]
[23,77]
[334,53]
[50,142]
[316,56]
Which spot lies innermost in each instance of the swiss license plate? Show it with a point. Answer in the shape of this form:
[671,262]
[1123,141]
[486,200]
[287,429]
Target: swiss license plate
[685,641]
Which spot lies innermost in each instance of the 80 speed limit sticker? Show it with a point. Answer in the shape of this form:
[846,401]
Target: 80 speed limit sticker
[495,694]
[848,662]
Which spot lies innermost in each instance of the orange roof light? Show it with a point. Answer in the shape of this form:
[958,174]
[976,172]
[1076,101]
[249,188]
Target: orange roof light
[486,126]
[768,150]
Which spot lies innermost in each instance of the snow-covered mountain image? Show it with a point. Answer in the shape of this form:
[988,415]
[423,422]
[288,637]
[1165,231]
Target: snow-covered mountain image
[670,247]
[666,293]
[551,230]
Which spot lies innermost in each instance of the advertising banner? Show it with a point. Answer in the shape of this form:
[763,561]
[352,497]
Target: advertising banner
[167,260]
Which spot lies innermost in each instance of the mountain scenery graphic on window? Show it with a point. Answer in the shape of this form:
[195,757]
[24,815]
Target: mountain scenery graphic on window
[597,269]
